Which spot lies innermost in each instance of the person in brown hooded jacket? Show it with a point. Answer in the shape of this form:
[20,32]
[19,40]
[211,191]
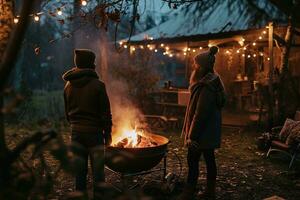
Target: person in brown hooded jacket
[202,124]
[88,111]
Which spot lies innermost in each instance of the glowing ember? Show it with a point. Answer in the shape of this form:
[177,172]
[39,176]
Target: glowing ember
[134,139]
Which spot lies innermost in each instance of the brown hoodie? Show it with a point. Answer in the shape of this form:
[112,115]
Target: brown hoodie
[87,105]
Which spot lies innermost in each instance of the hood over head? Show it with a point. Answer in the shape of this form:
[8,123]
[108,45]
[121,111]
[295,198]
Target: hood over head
[79,77]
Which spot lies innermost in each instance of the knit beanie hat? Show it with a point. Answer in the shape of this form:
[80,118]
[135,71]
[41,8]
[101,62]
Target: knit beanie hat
[84,58]
[207,59]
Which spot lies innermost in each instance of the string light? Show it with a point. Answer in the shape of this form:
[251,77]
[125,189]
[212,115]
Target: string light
[36,18]
[268,58]
[171,55]
[167,48]
[125,46]
[155,50]
[148,45]
[200,48]
[254,43]
[264,32]
[151,38]
[249,56]
[261,54]
[185,49]
[162,45]
[142,47]
[133,48]
[245,48]
[164,53]
[243,55]
[184,53]
[254,55]
[189,49]
[150,48]
[227,52]
[120,43]
[194,50]
[238,51]
[83,2]
[16,20]
[260,37]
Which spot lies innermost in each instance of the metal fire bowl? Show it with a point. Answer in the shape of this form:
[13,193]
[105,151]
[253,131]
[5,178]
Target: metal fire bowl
[134,160]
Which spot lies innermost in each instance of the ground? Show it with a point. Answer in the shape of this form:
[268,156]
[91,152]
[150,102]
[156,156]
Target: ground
[244,172]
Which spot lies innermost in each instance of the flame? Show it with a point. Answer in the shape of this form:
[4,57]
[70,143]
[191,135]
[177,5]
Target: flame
[131,135]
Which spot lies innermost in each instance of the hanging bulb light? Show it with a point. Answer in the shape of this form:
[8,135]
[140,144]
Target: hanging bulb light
[59,12]
[36,18]
[155,50]
[125,46]
[194,50]
[268,58]
[200,48]
[261,54]
[249,56]
[264,32]
[227,52]
[189,49]
[260,37]
[162,45]
[254,55]
[184,53]
[245,48]
[16,20]
[243,55]
[83,3]
[167,48]
[254,43]
[141,46]
[238,51]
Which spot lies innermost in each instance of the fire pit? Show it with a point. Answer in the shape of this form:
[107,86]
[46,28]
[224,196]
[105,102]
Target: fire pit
[136,152]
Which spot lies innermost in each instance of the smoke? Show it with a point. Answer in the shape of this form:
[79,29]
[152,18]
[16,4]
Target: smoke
[125,113]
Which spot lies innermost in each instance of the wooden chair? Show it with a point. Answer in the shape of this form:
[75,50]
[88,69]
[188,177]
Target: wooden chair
[277,145]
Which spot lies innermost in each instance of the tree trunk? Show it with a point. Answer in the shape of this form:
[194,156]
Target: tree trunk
[285,77]
[6,18]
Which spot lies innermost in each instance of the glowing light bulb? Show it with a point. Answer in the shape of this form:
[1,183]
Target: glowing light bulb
[36,18]
[227,52]
[133,48]
[155,50]
[194,50]
[59,12]
[185,49]
[171,55]
[254,43]
[264,32]
[162,45]
[243,55]
[142,47]
[16,20]
[261,54]
[238,51]
[120,43]
[184,53]
[249,56]
[245,48]
[125,46]
[151,38]
[200,48]
[150,48]
[167,48]
[254,55]
[268,58]
[83,2]
[189,49]
[260,37]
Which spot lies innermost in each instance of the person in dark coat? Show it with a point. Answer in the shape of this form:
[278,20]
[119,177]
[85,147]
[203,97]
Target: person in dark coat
[88,111]
[202,124]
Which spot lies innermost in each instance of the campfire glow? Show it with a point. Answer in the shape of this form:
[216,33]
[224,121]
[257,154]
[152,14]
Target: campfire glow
[133,138]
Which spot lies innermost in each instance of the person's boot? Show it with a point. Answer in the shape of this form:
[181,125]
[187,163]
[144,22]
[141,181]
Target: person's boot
[188,193]
[210,190]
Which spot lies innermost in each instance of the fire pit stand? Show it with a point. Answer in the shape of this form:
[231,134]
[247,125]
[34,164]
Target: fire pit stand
[123,177]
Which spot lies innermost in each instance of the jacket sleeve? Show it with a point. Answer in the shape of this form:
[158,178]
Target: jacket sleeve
[66,104]
[204,109]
